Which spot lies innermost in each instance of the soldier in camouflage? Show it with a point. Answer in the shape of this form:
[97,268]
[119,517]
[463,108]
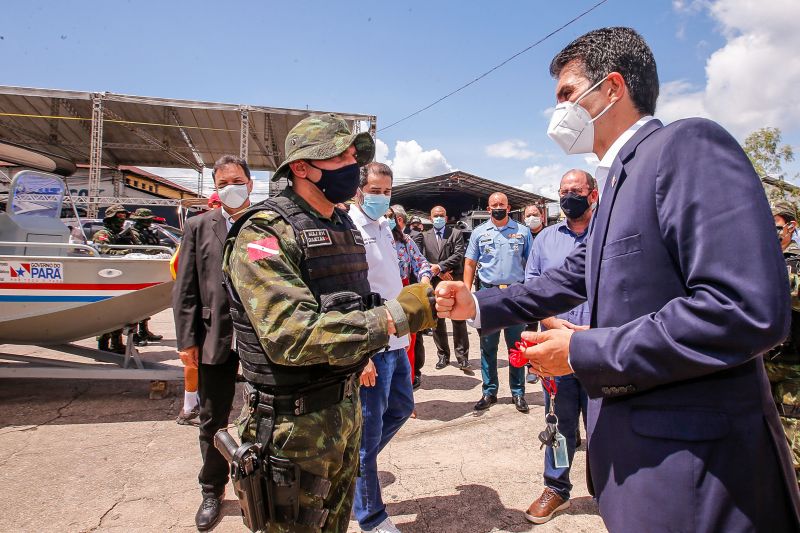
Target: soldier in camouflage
[783,362]
[306,322]
[112,234]
[142,234]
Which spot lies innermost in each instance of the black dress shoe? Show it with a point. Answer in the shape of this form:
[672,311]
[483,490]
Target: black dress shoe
[520,403]
[485,402]
[578,439]
[463,364]
[209,513]
[416,383]
[442,363]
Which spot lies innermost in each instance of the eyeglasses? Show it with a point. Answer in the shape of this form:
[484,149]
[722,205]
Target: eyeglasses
[564,192]
[779,228]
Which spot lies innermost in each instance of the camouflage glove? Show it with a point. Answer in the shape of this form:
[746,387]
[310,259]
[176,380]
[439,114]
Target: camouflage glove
[414,309]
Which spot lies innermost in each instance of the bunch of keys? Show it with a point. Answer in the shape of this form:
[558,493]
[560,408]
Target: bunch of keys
[550,436]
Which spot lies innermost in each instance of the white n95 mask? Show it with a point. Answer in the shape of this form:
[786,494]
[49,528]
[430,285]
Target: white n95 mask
[571,126]
[233,196]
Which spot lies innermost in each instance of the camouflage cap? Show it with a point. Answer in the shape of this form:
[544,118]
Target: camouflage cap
[323,137]
[142,214]
[785,209]
[112,210]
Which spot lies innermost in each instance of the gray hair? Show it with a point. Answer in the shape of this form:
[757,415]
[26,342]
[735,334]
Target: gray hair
[400,212]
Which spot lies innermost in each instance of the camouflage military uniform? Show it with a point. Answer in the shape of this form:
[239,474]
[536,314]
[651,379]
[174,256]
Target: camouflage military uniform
[783,364]
[112,233]
[141,234]
[285,314]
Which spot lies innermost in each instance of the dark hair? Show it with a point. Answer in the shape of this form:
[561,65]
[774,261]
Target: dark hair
[374,168]
[230,160]
[536,206]
[616,49]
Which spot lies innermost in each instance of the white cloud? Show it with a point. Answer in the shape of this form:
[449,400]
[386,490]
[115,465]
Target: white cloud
[510,149]
[749,80]
[412,162]
[543,179]
[381,151]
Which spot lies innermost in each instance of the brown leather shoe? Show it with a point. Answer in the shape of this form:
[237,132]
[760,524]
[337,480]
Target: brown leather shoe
[548,504]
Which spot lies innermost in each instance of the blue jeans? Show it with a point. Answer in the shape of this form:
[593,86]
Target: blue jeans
[516,376]
[571,400]
[385,408]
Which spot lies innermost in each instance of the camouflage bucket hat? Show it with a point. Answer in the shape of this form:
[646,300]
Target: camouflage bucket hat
[323,137]
[112,210]
[142,214]
[783,208]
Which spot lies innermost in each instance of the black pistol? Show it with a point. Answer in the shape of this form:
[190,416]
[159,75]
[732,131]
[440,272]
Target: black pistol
[247,476]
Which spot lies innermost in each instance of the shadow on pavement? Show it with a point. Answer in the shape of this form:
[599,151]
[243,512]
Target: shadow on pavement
[475,509]
[443,410]
[449,382]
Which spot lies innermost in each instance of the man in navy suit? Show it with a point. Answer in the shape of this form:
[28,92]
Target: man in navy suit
[683,433]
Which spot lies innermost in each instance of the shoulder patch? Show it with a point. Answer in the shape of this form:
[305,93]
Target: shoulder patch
[262,248]
[316,237]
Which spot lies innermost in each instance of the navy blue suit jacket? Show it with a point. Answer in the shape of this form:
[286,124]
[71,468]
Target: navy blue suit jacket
[687,288]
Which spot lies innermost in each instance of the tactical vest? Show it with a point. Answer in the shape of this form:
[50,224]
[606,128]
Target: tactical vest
[788,352]
[333,266]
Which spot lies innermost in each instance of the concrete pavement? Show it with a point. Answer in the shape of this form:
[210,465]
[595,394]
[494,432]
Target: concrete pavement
[100,456]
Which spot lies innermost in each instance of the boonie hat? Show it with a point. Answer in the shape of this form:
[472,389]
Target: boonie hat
[112,210]
[784,208]
[322,137]
[142,214]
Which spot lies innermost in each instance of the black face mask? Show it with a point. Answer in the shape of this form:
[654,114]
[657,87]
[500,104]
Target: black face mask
[574,205]
[499,214]
[338,185]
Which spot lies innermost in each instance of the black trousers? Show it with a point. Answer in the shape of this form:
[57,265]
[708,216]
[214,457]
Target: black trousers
[216,387]
[419,354]
[460,339]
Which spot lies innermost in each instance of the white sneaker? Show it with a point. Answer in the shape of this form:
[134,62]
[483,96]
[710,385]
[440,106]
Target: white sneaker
[384,527]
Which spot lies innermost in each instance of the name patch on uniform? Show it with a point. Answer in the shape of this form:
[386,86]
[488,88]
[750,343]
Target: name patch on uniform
[263,248]
[317,237]
[357,237]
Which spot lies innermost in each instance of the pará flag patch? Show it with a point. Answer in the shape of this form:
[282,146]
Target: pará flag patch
[262,248]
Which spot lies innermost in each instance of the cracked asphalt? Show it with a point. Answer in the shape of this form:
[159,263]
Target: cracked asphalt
[83,456]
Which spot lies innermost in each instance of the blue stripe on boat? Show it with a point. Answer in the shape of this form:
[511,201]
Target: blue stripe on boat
[15,298]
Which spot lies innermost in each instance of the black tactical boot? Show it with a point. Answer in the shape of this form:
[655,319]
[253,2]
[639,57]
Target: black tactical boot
[102,342]
[146,334]
[117,346]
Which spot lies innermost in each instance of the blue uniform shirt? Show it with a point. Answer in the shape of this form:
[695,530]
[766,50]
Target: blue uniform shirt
[550,249]
[500,252]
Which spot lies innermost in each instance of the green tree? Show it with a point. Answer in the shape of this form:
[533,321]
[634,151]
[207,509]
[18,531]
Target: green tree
[766,152]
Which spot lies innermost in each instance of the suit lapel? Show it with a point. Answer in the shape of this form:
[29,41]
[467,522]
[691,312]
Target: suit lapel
[220,228]
[599,228]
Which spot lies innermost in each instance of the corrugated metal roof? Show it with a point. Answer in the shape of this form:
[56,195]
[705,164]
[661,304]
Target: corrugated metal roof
[147,131]
[459,192]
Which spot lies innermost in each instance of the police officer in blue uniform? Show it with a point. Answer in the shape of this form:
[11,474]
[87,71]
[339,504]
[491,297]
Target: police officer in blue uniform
[498,249]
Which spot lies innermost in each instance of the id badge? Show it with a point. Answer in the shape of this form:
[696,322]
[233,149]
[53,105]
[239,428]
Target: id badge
[560,452]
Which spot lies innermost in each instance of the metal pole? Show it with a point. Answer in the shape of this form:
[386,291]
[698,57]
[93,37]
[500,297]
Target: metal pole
[244,133]
[95,155]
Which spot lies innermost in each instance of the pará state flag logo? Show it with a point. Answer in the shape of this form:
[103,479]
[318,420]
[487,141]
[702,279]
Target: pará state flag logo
[19,271]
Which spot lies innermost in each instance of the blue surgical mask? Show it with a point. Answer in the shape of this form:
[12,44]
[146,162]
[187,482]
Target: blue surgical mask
[438,222]
[375,205]
[392,223]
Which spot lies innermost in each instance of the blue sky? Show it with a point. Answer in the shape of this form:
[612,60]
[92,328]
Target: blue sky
[731,60]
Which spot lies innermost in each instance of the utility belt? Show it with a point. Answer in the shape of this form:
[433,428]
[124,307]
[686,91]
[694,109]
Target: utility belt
[268,487]
[301,402]
[485,285]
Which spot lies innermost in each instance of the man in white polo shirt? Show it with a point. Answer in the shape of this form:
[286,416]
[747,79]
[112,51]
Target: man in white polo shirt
[387,399]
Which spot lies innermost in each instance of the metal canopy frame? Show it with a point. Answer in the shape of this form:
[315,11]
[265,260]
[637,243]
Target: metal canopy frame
[103,128]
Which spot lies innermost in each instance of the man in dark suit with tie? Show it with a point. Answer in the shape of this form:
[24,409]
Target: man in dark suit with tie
[444,248]
[683,434]
[203,324]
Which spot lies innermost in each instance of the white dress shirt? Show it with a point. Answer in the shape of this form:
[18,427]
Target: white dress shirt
[601,173]
[384,267]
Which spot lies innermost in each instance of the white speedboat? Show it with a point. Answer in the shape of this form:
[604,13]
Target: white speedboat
[53,291]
